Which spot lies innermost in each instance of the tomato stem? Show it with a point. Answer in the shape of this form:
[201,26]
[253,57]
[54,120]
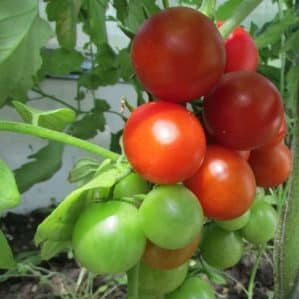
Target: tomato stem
[243,10]
[208,8]
[133,281]
[41,132]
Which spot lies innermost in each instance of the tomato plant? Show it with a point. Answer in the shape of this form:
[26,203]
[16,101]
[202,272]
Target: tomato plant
[178,54]
[193,288]
[160,258]
[224,184]
[155,281]
[262,223]
[106,240]
[157,132]
[251,110]
[241,51]
[220,248]
[171,216]
[271,166]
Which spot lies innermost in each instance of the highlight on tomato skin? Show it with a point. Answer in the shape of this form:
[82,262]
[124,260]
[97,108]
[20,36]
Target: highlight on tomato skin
[251,111]
[224,184]
[241,51]
[164,142]
[271,166]
[178,54]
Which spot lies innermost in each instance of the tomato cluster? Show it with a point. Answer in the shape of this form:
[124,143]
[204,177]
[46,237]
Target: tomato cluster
[204,168]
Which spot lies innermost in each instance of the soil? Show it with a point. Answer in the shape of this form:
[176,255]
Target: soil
[58,278]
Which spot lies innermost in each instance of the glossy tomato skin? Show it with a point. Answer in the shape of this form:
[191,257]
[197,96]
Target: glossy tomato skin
[271,166]
[171,216]
[164,142]
[244,154]
[244,111]
[131,185]
[241,51]
[193,288]
[160,258]
[224,184]
[220,248]
[236,223]
[262,224]
[105,240]
[158,282]
[178,54]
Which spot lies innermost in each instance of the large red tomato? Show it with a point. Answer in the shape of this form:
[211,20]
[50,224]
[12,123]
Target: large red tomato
[244,111]
[178,54]
[271,166]
[241,51]
[224,184]
[164,142]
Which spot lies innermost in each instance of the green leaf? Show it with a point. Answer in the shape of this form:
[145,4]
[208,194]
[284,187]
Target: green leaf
[115,142]
[226,9]
[122,9]
[22,34]
[95,22]
[87,127]
[65,14]
[52,248]
[56,119]
[101,106]
[61,62]
[9,193]
[58,226]
[46,162]
[271,72]
[125,64]
[6,257]
[292,79]
[273,31]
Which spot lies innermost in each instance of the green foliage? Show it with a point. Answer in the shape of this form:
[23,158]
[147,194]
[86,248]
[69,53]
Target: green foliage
[44,164]
[65,14]
[9,193]
[226,9]
[22,33]
[6,256]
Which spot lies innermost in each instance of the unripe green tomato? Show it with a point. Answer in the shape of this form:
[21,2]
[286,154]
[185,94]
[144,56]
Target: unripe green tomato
[107,238]
[235,224]
[171,216]
[131,185]
[193,288]
[220,248]
[262,224]
[158,282]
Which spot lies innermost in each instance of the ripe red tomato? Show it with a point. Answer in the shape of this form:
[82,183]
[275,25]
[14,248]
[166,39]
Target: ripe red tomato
[178,54]
[244,154]
[161,258]
[244,111]
[224,184]
[278,138]
[164,142]
[272,166]
[241,51]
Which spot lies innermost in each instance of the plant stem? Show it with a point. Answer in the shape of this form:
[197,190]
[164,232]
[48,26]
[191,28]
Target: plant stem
[253,273]
[133,282]
[56,136]
[165,3]
[282,50]
[44,94]
[208,8]
[244,9]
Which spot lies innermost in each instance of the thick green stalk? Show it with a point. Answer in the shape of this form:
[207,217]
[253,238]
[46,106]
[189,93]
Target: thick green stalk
[286,250]
[208,8]
[133,282]
[32,130]
[243,10]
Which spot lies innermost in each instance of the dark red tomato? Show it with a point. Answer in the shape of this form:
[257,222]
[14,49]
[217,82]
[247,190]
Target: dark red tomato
[241,51]
[271,167]
[161,258]
[224,184]
[244,111]
[164,142]
[244,154]
[278,138]
[178,54]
